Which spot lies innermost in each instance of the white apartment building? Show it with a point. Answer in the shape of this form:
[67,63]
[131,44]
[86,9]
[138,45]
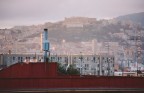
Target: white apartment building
[102,65]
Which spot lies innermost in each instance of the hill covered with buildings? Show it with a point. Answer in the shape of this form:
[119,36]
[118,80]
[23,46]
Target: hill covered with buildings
[77,35]
[136,18]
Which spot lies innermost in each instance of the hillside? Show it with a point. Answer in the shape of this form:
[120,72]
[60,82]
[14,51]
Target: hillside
[78,32]
[136,18]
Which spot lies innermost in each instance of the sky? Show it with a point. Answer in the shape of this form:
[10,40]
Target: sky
[33,12]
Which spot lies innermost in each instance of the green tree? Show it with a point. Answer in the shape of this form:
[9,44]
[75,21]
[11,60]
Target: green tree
[61,69]
[71,70]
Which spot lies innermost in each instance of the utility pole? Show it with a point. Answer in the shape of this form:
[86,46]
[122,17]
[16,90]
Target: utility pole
[108,62]
[139,51]
[81,58]
[138,44]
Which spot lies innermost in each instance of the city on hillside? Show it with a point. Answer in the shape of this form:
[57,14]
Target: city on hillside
[121,39]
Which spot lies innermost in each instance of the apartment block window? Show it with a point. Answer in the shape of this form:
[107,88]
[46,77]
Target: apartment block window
[74,59]
[86,65]
[58,59]
[112,58]
[87,58]
[18,58]
[102,71]
[94,59]
[92,68]
[98,71]
[21,59]
[107,59]
[34,57]
[13,58]
[27,59]
[66,59]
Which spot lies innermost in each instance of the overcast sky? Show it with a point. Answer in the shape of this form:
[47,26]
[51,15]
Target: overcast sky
[28,12]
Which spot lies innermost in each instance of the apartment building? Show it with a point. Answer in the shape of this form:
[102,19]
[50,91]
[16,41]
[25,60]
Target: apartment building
[102,65]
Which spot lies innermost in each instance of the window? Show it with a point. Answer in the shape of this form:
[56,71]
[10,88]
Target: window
[58,59]
[66,59]
[21,59]
[113,58]
[34,57]
[98,58]
[86,65]
[74,59]
[51,58]
[94,59]
[92,68]
[87,58]
[107,59]
[13,58]
[98,72]
[102,71]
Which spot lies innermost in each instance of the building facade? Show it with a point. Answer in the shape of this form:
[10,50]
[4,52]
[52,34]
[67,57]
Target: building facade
[102,65]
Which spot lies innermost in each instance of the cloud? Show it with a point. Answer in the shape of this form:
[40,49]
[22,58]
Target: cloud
[43,10]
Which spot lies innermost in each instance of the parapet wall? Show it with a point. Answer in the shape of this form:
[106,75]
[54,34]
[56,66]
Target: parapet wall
[30,70]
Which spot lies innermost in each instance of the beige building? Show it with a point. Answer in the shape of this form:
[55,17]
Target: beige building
[78,21]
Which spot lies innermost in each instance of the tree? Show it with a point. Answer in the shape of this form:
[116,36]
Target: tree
[61,69]
[69,71]
[72,71]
